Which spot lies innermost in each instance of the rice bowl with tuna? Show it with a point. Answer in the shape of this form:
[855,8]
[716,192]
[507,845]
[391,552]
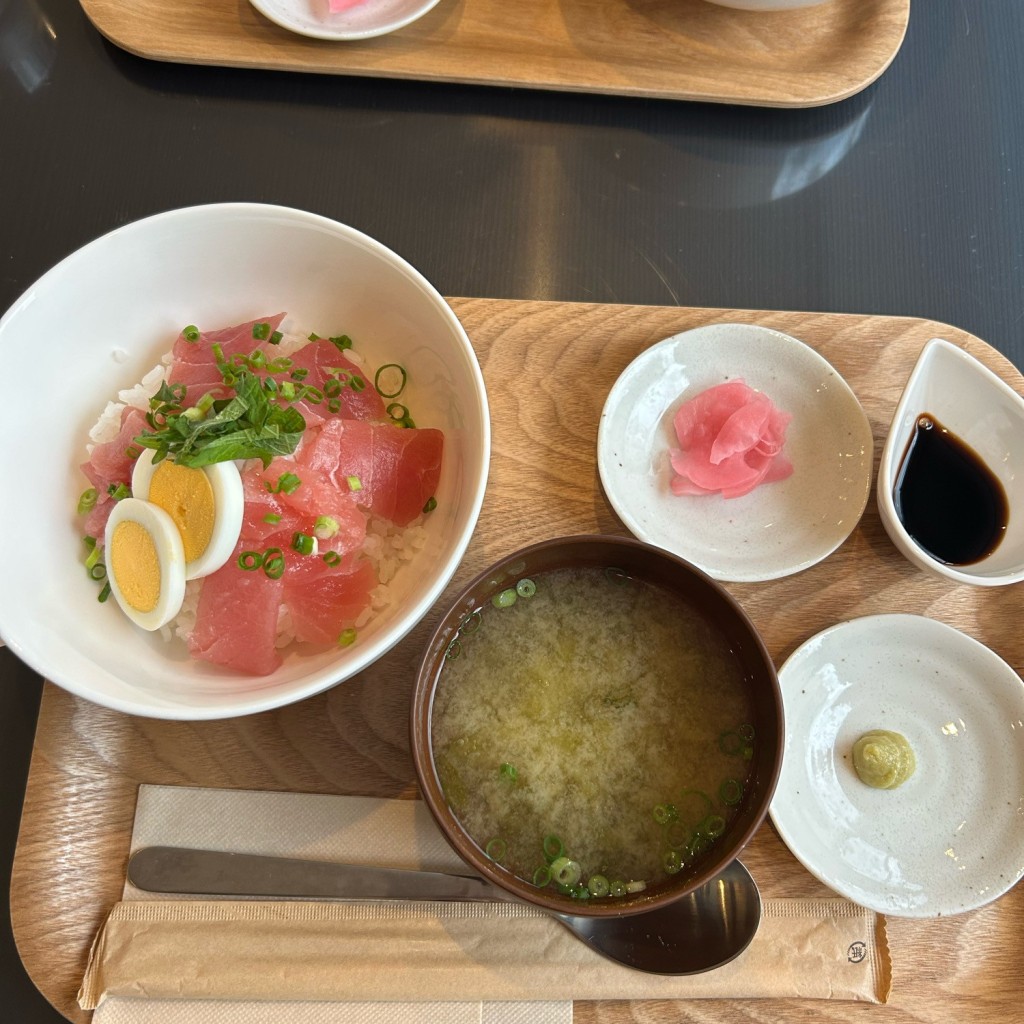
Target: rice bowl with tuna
[322,529]
[108,312]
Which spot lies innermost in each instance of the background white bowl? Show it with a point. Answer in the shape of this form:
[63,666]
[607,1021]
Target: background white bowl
[98,321]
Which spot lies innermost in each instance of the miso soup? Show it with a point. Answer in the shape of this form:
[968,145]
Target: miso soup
[592,732]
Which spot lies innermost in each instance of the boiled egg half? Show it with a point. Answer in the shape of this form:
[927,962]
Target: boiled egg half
[205,504]
[145,561]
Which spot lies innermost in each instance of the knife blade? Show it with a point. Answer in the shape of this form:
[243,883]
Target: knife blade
[172,869]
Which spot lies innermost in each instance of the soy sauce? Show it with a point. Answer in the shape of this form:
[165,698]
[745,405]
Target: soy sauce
[947,499]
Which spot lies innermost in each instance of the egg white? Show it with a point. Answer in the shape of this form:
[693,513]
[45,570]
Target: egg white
[170,555]
[229,506]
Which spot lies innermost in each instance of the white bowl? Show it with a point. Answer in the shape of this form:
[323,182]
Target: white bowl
[777,529]
[363,20]
[98,321]
[982,410]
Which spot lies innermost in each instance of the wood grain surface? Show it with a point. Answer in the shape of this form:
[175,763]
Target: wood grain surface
[674,49]
[548,368]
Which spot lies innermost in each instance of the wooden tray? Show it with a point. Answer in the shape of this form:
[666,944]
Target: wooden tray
[548,367]
[675,49]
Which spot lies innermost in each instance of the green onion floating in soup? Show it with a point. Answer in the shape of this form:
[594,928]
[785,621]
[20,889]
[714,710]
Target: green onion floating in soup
[599,725]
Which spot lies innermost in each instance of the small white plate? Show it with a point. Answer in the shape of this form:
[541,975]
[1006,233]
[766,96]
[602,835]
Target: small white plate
[363,21]
[779,528]
[951,838]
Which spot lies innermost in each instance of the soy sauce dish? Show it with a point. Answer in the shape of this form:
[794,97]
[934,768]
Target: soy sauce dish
[596,726]
[950,484]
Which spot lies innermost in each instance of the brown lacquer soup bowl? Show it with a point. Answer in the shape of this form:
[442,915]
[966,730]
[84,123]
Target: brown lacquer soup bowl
[597,726]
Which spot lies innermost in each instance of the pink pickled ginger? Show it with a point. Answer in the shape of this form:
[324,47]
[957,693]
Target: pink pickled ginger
[730,441]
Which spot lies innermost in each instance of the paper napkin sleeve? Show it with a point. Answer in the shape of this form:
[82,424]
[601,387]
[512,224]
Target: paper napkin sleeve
[811,949]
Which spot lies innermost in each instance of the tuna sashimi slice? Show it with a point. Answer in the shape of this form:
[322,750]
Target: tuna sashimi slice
[324,600]
[237,340]
[236,621]
[111,463]
[320,358]
[398,468]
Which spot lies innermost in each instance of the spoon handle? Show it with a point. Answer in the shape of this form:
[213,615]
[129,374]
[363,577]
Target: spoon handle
[170,869]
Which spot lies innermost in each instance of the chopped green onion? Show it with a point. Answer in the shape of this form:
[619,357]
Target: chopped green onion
[638,886]
[287,483]
[508,771]
[89,542]
[206,402]
[332,558]
[713,825]
[313,395]
[616,576]
[505,599]
[288,391]
[454,650]
[250,560]
[190,333]
[565,871]
[93,557]
[334,405]
[357,383]
[430,505]
[672,862]
[98,571]
[579,892]
[678,835]
[552,847]
[87,500]
[272,519]
[598,885]
[341,342]
[104,593]
[261,331]
[471,623]
[395,380]
[325,527]
[617,888]
[542,876]
[313,337]
[218,352]
[747,732]
[279,365]
[273,563]
[257,361]
[664,813]
[133,451]
[275,338]
[347,637]
[332,387]
[119,491]
[526,588]
[354,483]
[304,543]
[300,374]
[730,792]
[496,849]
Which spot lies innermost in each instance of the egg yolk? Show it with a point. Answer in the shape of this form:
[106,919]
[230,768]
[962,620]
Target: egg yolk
[186,496]
[135,565]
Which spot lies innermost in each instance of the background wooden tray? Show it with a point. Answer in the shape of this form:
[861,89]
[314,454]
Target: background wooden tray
[675,49]
[548,368]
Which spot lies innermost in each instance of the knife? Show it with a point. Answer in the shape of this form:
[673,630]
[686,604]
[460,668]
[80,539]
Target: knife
[172,869]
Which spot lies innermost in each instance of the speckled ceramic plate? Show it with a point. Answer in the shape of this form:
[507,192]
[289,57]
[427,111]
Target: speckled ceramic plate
[363,20]
[775,530]
[951,838]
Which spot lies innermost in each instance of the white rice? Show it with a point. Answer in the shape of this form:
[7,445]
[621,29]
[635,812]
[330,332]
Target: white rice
[387,546]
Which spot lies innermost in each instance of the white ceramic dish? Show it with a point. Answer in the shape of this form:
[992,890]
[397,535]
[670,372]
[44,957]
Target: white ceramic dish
[777,529]
[98,321]
[950,838]
[362,21]
[982,410]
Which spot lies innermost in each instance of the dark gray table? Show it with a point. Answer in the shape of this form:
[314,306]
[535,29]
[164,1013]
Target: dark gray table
[906,199]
